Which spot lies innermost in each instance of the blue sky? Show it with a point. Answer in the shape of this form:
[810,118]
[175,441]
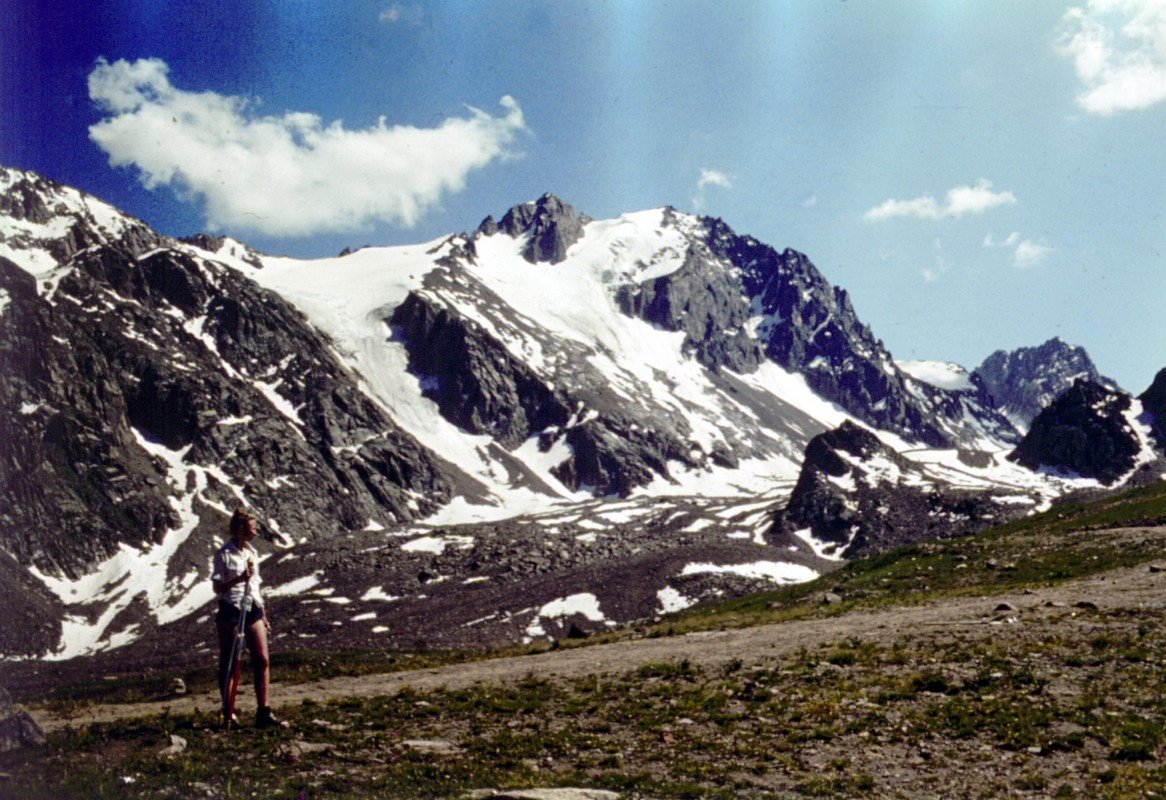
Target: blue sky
[978,176]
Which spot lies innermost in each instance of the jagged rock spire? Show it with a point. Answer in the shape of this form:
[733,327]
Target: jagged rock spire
[552,224]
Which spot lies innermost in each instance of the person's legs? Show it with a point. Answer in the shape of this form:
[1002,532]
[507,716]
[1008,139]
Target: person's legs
[260,660]
[261,665]
[226,641]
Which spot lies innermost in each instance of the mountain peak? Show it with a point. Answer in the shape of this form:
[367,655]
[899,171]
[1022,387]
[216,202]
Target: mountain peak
[1022,382]
[552,224]
[44,223]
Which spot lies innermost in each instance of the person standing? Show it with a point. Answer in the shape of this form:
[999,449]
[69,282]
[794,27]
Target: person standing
[234,575]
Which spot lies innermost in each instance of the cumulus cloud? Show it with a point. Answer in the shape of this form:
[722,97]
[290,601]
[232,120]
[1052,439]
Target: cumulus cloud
[1118,49]
[291,174]
[709,177]
[1030,254]
[712,177]
[960,201]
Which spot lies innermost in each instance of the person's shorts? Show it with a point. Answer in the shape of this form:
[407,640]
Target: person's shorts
[228,614]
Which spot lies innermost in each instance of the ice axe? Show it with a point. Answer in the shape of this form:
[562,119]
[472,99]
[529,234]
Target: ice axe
[235,671]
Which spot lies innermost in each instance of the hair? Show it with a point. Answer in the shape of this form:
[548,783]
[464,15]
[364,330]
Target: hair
[239,521]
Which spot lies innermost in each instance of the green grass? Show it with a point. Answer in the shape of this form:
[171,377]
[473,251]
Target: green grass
[822,723]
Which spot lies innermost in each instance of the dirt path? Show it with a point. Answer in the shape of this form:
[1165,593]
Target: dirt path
[1131,588]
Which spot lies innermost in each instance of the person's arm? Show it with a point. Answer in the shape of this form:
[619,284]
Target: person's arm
[222,586]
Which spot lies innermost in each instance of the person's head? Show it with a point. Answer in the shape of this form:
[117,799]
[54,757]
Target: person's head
[242,527]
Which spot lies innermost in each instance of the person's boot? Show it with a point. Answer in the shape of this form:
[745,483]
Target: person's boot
[265,719]
[228,720]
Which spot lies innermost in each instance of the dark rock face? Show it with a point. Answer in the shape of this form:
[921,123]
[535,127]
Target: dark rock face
[32,615]
[552,224]
[811,327]
[195,358]
[1022,382]
[705,302]
[613,454]
[857,493]
[1154,402]
[480,387]
[471,376]
[1083,431]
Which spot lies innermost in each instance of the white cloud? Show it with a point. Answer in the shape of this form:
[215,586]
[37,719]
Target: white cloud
[920,207]
[810,201]
[1026,253]
[288,175]
[1030,254]
[709,177]
[960,201]
[1118,49]
[1009,241]
[712,177]
[397,12]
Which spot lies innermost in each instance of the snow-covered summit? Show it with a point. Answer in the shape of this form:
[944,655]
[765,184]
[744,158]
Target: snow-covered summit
[941,374]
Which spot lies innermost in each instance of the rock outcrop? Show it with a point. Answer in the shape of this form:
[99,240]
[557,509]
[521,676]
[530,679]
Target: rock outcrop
[552,226]
[17,727]
[707,302]
[1154,403]
[1084,431]
[856,496]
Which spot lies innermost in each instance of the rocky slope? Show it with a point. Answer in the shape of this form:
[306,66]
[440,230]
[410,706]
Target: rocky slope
[147,392]
[1153,401]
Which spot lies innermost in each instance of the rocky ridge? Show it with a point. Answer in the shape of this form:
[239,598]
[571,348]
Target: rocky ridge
[1022,382]
[1154,403]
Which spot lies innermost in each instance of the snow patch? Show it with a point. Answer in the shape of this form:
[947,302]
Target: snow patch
[437,544]
[775,571]
[298,586]
[942,374]
[831,551]
[583,603]
[378,593]
[672,601]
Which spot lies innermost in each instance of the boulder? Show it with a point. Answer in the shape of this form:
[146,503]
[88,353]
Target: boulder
[17,727]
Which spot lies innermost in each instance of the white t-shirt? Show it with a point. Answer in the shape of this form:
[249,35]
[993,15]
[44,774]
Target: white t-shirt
[231,562]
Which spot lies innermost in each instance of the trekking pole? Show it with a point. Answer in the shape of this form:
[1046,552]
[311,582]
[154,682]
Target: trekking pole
[235,673]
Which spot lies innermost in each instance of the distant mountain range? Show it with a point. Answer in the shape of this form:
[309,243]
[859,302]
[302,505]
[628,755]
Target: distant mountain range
[550,422]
